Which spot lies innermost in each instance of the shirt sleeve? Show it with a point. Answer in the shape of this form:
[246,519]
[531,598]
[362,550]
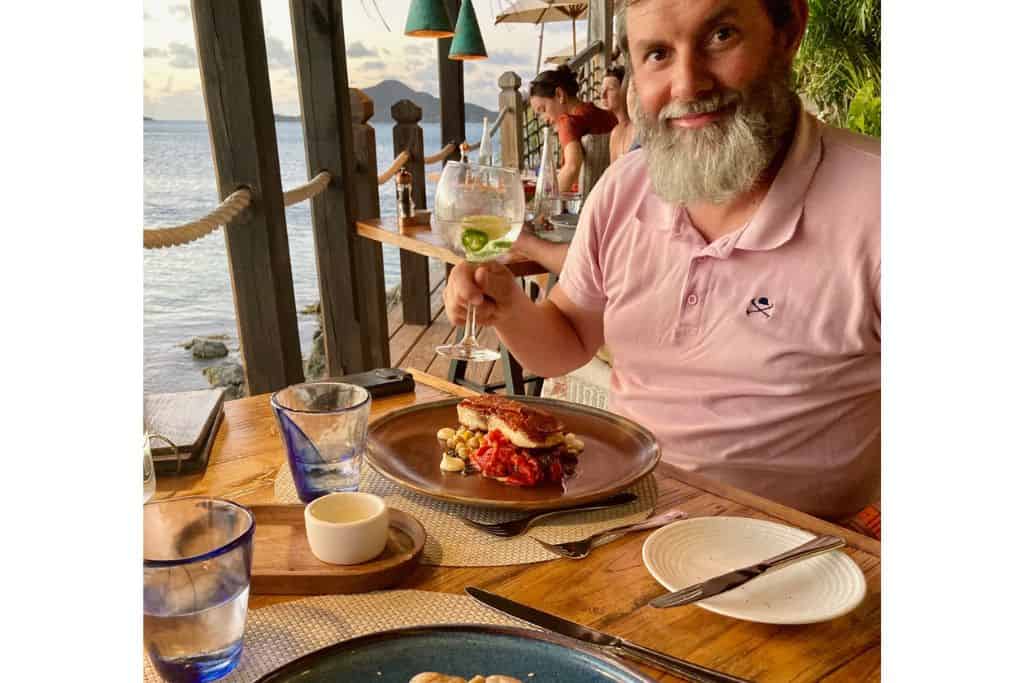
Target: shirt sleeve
[569,129]
[582,276]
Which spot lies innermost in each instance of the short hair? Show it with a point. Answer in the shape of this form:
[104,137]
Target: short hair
[779,11]
[546,81]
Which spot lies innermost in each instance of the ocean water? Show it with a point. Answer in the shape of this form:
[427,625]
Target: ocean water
[188,288]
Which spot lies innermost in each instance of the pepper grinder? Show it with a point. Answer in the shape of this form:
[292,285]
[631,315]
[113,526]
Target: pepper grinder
[403,186]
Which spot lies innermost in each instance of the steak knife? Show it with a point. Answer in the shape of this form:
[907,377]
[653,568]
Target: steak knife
[735,579]
[604,641]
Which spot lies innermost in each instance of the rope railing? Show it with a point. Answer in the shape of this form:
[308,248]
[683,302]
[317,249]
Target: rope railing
[443,154]
[311,189]
[229,209]
[395,166]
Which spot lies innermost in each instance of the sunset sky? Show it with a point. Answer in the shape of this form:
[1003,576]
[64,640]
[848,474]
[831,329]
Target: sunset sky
[172,88]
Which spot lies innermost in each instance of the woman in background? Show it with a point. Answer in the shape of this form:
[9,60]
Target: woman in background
[553,98]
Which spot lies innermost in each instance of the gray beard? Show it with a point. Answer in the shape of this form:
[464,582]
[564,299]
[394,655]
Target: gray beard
[725,158]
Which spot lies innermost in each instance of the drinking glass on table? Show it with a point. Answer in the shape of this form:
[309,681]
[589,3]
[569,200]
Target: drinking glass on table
[480,212]
[197,562]
[323,427]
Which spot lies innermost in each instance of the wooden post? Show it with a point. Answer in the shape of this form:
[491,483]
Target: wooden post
[512,127]
[599,27]
[408,135]
[319,42]
[372,306]
[236,89]
[451,90]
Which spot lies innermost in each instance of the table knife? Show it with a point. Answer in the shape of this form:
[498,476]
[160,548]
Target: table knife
[734,579]
[603,641]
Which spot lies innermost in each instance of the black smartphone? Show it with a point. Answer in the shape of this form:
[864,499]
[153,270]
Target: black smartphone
[382,381]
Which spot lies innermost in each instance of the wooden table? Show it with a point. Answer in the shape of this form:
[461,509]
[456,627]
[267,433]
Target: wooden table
[609,589]
[426,242]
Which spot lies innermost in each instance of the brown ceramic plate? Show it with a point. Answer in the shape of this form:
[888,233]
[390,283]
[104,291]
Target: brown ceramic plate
[617,452]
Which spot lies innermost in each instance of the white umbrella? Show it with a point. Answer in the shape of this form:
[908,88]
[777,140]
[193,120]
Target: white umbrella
[542,12]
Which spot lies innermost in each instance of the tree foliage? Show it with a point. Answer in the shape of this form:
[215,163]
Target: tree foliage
[839,66]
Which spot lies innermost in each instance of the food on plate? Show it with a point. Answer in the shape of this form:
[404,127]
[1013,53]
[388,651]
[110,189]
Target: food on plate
[432,677]
[510,441]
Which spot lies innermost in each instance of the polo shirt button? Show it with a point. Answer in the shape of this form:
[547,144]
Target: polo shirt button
[692,300]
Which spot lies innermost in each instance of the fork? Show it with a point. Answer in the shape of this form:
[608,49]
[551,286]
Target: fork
[515,527]
[577,550]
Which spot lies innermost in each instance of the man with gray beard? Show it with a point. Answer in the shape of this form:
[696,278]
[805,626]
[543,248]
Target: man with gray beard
[732,265]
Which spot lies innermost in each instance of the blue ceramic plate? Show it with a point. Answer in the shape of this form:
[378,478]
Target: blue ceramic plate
[459,650]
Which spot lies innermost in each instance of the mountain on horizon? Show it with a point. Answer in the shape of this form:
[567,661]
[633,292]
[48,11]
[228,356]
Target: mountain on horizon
[386,93]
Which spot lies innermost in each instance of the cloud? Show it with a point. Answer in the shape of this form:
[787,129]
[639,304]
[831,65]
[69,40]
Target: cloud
[357,50]
[153,52]
[505,58]
[182,56]
[278,55]
[376,65]
[420,49]
[182,12]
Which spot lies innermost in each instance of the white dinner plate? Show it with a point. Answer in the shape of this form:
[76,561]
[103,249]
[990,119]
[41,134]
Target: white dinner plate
[694,550]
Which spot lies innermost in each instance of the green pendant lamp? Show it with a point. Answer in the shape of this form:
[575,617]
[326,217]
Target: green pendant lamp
[428,19]
[468,44]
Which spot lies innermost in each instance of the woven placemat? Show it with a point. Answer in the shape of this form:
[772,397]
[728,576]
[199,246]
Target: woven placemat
[278,634]
[450,543]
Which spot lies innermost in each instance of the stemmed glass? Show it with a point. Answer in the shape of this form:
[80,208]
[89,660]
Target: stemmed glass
[480,212]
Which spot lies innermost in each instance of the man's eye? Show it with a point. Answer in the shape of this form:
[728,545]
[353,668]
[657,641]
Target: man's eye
[723,34]
[656,55]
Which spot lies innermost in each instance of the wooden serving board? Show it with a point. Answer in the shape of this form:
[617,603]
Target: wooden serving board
[283,564]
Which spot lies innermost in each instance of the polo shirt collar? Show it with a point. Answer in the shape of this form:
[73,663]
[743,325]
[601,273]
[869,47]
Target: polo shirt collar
[775,220]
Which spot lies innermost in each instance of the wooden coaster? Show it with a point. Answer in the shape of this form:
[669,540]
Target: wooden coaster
[283,564]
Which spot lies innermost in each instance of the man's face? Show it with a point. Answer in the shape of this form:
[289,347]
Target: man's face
[711,80]
[611,93]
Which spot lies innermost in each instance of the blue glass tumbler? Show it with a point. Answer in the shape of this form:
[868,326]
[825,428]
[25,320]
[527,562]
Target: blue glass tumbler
[197,562]
[323,427]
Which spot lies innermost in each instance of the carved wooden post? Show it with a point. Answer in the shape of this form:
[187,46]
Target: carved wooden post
[512,127]
[372,305]
[599,27]
[408,135]
[319,41]
[236,89]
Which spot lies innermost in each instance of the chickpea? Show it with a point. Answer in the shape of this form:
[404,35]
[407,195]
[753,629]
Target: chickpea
[462,450]
[450,443]
[445,433]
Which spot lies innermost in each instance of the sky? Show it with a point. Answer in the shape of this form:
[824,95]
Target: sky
[172,90]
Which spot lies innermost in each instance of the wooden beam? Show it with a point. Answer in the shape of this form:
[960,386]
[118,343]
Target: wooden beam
[599,28]
[451,90]
[236,89]
[372,305]
[408,135]
[318,35]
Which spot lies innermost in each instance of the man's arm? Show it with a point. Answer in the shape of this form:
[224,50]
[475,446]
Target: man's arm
[555,338]
[572,162]
[549,338]
[547,254]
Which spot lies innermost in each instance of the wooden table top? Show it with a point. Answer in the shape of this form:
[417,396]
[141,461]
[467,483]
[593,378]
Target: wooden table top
[428,242]
[610,588]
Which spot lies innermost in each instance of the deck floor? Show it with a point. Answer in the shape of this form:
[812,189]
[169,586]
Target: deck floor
[412,346]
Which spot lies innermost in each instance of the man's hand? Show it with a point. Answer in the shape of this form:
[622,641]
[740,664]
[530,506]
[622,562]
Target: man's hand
[491,287]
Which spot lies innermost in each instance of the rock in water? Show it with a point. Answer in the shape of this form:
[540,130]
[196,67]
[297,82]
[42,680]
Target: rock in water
[316,364]
[207,348]
[231,376]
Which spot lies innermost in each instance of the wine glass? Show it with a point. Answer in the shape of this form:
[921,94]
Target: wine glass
[480,212]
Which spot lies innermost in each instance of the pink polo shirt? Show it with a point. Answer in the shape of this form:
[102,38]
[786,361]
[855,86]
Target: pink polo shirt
[754,359]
